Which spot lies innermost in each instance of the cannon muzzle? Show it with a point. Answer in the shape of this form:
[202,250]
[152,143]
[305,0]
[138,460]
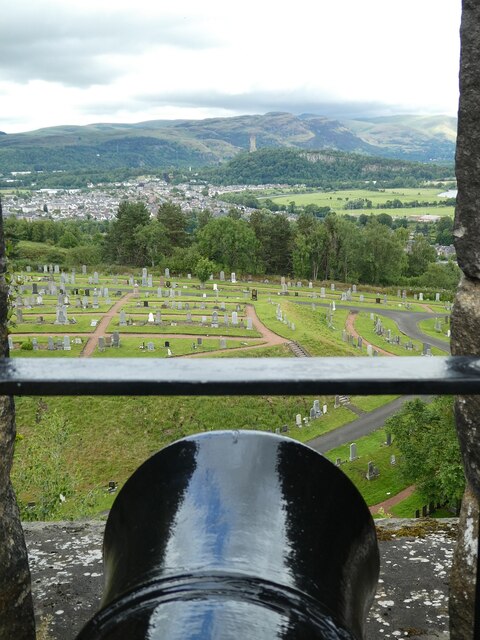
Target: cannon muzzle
[237,535]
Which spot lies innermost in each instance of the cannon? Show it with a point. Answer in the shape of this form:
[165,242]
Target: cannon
[237,534]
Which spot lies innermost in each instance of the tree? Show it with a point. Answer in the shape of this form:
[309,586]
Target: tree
[203,269]
[175,224]
[230,243]
[121,242]
[152,241]
[383,259]
[421,254]
[430,454]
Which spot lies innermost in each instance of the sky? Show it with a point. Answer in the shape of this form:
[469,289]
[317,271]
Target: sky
[77,62]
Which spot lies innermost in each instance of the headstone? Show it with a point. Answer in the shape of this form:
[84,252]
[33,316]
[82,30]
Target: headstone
[84,269]
[332,287]
[95,304]
[437,297]
[249,324]
[393,459]
[310,285]
[325,409]
[35,344]
[353,452]
[19,316]
[189,317]
[35,288]
[337,402]
[151,319]
[199,341]
[388,441]
[369,350]
[420,297]
[11,346]
[222,276]
[322,292]
[215,287]
[66,343]
[223,343]
[101,343]
[123,318]
[167,274]
[354,288]
[29,268]
[115,339]
[233,278]
[61,315]
[150,346]
[50,344]
[362,298]
[45,268]
[298,420]
[234,318]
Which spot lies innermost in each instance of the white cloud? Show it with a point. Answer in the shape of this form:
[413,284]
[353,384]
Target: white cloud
[82,61]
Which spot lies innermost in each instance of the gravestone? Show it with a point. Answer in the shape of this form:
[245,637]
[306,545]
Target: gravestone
[369,350]
[233,278]
[101,343]
[437,297]
[29,268]
[354,288]
[144,277]
[204,320]
[298,420]
[372,472]
[393,459]
[95,304]
[420,297]
[189,317]
[353,452]
[66,343]
[35,344]
[151,318]
[61,315]
[115,339]
[34,288]
[50,344]
[19,316]
[234,318]
[150,346]
[223,343]
[249,324]
[167,273]
[222,276]
[325,409]
[11,346]
[158,318]
[45,268]
[388,441]
[362,298]
[332,287]
[199,341]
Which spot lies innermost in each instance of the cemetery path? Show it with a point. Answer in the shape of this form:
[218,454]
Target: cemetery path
[269,338]
[391,502]
[101,327]
[350,327]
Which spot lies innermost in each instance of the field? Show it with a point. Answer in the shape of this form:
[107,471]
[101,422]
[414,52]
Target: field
[337,200]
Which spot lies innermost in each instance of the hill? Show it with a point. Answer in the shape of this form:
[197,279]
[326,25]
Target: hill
[327,169]
[177,143]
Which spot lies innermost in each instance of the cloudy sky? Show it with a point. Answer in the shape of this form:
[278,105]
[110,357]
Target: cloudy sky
[86,61]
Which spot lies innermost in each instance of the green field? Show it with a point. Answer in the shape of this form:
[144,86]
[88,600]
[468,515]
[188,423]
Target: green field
[428,327]
[137,347]
[337,200]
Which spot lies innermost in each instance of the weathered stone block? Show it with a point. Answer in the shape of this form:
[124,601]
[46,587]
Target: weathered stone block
[467,215]
[464,571]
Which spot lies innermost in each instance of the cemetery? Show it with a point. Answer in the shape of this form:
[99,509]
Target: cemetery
[151,315]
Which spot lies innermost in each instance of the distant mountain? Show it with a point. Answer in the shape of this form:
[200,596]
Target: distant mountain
[168,143]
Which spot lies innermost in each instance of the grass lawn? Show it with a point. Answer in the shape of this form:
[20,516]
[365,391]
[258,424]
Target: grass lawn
[364,326]
[191,329]
[428,327]
[82,325]
[279,351]
[311,330]
[130,347]
[371,448]
[43,351]
[109,437]
[369,403]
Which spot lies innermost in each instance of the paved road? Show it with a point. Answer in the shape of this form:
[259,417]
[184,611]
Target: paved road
[407,321]
[360,427]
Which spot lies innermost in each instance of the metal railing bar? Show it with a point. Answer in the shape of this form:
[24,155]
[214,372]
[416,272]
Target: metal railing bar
[240,376]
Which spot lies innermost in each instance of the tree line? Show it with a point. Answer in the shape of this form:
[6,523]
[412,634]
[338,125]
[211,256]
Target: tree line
[368,249]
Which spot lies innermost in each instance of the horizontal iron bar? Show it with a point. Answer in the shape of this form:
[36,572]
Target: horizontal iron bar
[240,376]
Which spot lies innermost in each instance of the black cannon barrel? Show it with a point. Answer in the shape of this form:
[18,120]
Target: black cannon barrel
[237,534]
